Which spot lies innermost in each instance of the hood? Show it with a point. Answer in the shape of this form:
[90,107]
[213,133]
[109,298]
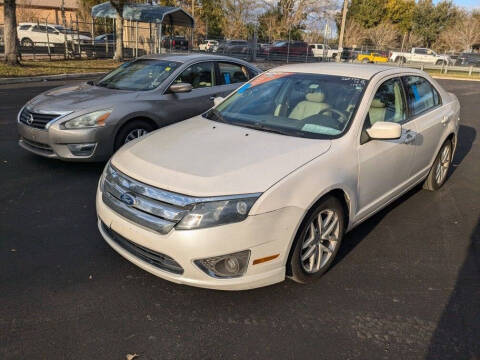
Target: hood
[77,97]
[200,157]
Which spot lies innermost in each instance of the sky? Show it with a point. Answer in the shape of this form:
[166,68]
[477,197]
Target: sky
[469,4]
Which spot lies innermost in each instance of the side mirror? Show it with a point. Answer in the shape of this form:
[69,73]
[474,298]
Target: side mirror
[181,88]
[383,130]
[217,100]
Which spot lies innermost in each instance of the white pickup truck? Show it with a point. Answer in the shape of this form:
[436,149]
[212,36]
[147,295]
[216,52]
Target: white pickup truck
[321,50]
[421,55]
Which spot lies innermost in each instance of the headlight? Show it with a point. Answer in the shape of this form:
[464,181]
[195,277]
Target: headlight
[104,175]
[219,212]
[93,119]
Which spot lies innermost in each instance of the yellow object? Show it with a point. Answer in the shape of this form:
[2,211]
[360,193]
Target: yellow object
[372,57]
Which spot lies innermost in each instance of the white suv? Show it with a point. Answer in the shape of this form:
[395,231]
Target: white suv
[33,34]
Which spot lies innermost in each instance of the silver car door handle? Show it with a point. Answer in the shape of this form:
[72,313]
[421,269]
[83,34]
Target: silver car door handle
[445,120]
[409,138]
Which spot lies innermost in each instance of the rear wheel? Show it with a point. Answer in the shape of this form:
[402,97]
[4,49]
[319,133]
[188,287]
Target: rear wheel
[438,173]
[318,241]
[131,131]
[400,60]
[365,61]
[26,42]
[440,62]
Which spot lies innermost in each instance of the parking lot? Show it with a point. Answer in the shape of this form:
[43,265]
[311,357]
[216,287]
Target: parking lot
[405,285]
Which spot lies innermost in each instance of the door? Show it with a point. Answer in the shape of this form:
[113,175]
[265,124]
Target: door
[181,106]
[385,165]
[430,118]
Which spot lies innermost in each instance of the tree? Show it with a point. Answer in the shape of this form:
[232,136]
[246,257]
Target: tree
[383,35]
[10,32]
[118,5]
[237,14]
[211,17]
[467,31]
[367,13]
[355,34]
[400,13]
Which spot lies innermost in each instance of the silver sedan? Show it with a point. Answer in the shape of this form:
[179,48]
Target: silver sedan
[89,121]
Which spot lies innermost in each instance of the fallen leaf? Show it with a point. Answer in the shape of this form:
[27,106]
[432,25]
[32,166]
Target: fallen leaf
[131,356]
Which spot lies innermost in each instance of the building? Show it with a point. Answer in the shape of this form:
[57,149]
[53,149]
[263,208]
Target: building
[43,10]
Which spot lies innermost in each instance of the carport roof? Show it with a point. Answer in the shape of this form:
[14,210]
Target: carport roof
[146,13]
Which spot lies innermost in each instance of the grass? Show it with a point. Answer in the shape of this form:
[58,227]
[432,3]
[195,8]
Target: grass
[36,68]
[455,74]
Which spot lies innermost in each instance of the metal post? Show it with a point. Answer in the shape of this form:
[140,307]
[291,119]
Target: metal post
[159,38]
[48,41]
[136,39]
[288,45]
[342,28]
[470,70]
[78,37]
[254,44]
[64,23]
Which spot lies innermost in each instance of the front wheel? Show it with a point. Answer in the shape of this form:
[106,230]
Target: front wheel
[317,241]
[132,131]
[438,173]
[26,42]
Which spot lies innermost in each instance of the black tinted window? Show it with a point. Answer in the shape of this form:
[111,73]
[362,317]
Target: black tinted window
[198,75]
[421,94]
[25,27]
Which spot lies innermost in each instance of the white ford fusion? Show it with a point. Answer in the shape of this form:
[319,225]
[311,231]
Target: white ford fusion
[264,185]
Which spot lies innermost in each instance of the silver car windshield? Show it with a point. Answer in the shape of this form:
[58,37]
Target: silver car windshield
[140,75]
[295,104]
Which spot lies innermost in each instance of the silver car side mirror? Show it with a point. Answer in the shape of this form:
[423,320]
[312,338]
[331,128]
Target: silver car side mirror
[217,100]
[385,130]
[181,88]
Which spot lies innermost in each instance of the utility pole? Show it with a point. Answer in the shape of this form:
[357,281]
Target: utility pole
[342,29]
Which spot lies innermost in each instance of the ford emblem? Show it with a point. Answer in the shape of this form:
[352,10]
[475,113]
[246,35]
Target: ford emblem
[128,199]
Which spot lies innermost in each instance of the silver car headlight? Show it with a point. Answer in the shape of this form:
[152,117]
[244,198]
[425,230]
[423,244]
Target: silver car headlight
[93,119]
[218,212]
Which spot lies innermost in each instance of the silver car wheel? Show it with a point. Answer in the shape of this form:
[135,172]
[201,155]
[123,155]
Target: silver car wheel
[134,134]
[320,242]
[443,165]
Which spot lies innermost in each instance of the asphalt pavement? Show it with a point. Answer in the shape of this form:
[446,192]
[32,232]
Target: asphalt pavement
[406,284]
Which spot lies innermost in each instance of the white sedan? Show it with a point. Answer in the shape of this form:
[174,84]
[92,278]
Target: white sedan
[265,185]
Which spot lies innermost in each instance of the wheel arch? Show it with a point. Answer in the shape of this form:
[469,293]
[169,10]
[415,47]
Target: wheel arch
[338,193]
[129,120]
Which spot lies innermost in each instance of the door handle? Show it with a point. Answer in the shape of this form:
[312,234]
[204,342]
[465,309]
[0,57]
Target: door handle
[409,138]
[445,120]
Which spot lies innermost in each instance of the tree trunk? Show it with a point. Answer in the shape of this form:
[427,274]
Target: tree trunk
[10,32]
[119,37]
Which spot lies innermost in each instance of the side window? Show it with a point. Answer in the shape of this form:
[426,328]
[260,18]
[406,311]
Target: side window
[232,73]
[51,30]
[199,75]
[24,27]
[388,105]
[421,94]
[421,51]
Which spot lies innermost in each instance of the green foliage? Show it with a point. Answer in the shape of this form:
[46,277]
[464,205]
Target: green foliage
[429,20]
[211,14]
[368,13]
[400,12]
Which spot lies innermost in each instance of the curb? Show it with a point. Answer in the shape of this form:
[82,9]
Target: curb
[20,80]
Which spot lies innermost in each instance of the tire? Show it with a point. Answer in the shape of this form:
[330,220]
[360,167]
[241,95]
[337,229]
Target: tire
[26,42]
[440,62]
[365,61]
[308,270]
[439,171]
[400,60]
[132,130]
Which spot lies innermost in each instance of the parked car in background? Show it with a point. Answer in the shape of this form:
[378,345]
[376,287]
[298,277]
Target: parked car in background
[230,47]
[266,184]
[207,45]
[281,49]
[323,51]
[348,54]
[89,121]
[175,43]
[33,34]
[468,59]
[105,38]
[372,57]
[421,55]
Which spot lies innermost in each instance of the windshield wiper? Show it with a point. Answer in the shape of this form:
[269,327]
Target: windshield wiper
[261,127]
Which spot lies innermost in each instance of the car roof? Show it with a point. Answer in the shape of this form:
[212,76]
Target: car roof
[362,71]
[182,58]
[34,23]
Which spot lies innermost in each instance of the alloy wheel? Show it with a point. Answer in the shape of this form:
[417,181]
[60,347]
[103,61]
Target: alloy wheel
[443,165]
[134,134]
[320,241]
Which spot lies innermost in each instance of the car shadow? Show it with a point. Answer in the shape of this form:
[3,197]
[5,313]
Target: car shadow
[457,335]
[466,138]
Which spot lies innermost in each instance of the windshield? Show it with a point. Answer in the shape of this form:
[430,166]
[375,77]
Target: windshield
[304,105]
[140,75]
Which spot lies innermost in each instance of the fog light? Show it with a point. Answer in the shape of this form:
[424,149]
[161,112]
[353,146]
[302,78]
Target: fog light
[82,149]
[225,266]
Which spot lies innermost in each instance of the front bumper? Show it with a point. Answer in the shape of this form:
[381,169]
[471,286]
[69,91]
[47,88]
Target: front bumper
[264,235]
[53,142]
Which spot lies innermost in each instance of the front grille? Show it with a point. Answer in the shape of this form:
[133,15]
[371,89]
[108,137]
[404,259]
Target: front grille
[143,204]
[36,120]
[157,259]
